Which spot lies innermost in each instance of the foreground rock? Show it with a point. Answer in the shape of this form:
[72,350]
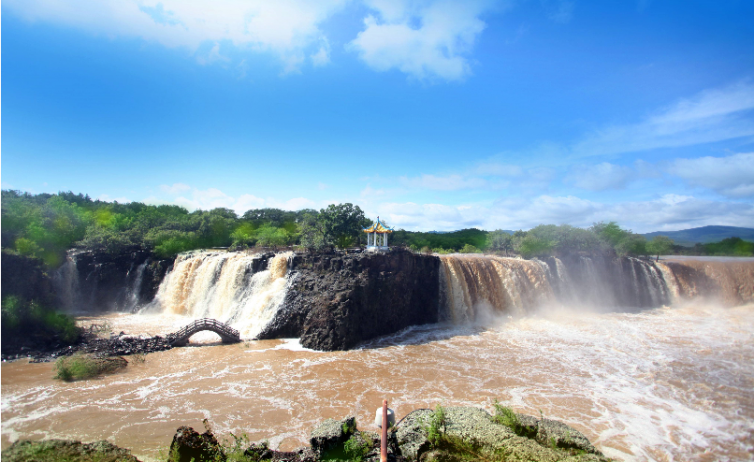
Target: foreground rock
[69,451]
[337,301]
[189,446]
[451,434]
[467,432]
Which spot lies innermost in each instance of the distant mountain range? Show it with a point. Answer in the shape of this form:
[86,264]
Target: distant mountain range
[705,234]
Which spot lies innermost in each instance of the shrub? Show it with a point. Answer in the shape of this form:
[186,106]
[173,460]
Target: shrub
[468,248]
[356,448]
[81,366]
[506,416]
[25,318]
[436,426]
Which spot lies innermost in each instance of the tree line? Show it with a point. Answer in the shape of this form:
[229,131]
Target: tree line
[45,226]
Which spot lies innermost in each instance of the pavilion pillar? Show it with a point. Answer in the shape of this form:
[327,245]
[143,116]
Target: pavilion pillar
[385,239]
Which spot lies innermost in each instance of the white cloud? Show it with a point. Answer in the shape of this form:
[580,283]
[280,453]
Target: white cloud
[322,56]
[208,199]
[284,27]
[424,39]
[731,176]
[601,176]
[710,116]
[212,56]
[176,188]
[669,212]
[443,183]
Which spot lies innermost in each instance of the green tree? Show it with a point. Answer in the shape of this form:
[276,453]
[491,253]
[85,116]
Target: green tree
[532,246]
[343,224]
[270,236]
[500,241]
[312,232]
[610,232]
[468,248]
[244,234]
[660,245]
[106,239]
[632,245]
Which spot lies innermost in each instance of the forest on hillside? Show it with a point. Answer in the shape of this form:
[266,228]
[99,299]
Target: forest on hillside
[46,226]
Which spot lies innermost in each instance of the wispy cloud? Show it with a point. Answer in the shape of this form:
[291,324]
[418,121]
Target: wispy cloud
[288,28]
[668,212]
[207,199]
[601,176]
[443,183]
[322,56]
[560,11]
[426,40]
[731,176]
[710,116]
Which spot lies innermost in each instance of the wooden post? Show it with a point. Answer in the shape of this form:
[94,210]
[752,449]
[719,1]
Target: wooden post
[383,445]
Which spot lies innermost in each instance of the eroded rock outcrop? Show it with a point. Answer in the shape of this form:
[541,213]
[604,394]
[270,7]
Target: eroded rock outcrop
[336,301]
[71,451]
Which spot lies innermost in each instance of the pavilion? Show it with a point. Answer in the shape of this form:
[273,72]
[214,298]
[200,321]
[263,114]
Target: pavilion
[377,236]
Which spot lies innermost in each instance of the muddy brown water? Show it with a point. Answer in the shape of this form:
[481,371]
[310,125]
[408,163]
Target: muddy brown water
[669,384]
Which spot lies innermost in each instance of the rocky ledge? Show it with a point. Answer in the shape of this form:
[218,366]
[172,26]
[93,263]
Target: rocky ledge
[116,345]
[452,434]
[336,301]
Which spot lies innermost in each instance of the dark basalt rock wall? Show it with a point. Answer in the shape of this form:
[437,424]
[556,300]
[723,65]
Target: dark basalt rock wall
[109,282]
[337,301]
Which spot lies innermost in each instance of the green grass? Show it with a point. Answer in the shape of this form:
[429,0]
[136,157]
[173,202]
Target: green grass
[506,416]
[81,366]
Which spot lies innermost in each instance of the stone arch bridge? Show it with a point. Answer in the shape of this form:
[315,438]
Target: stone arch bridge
[226,333]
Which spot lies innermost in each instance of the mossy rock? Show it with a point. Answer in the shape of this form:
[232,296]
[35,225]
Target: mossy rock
[66,451]
[472,434]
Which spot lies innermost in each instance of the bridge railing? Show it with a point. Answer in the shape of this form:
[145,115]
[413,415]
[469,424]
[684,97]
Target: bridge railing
[206,323]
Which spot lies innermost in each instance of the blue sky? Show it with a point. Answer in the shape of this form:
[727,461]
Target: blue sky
[432,114]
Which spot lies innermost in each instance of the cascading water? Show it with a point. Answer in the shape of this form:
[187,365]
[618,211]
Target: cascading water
[66,282]
[134,290]
[475,288]
[225,286]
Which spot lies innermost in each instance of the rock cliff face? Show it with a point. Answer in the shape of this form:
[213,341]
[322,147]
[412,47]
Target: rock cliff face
[105,282]
[336,301]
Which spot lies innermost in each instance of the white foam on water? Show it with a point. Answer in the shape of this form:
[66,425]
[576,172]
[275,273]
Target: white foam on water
[293,344]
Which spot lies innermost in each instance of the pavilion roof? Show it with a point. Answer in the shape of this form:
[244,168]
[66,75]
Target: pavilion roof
[378,227]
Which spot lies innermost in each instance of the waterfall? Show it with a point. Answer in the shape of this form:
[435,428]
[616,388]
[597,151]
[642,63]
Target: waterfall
[66,282]
[133,292]
[475,288]
[227,287]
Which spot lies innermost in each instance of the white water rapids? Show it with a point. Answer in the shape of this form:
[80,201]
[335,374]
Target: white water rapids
[672,383]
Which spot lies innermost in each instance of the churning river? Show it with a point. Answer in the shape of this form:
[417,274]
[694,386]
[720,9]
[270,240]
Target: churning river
[674,383]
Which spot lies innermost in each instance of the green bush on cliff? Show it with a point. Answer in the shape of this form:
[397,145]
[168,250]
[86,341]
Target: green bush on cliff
[29,318]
